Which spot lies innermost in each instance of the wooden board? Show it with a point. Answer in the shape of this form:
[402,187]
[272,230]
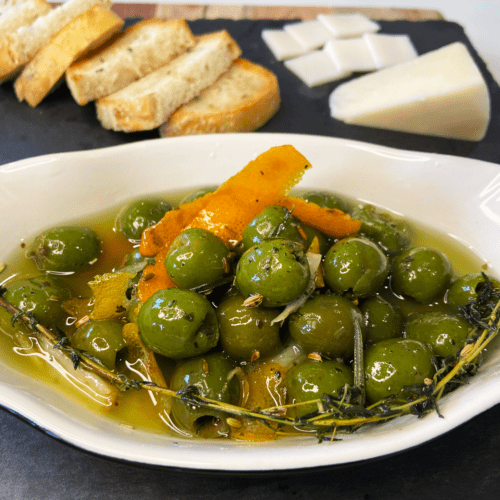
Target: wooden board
[191,12]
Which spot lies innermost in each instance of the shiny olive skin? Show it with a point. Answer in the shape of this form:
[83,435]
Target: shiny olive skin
[211,376]
[198,194]
[141,214]
[445,333]
[102,339]
[392,364]
[43,296]
[273,222]
[277,269]
[178,323]
[246,331]
[328,200]
[310,379]
[464,289]
[197,257]
[355,265]
[422,273]
[66,249]
[392,235]
[135,263]
[325,324]
[382,320]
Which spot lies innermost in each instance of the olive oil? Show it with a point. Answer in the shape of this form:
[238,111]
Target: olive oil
[137,408]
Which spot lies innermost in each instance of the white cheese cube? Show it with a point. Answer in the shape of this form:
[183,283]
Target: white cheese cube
[310,34]
[348,25]
[441,93]
[388,50]
[351,54]
[315,68]
[282,44]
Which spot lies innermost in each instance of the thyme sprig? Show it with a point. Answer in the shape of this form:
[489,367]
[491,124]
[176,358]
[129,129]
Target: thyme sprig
[345,411]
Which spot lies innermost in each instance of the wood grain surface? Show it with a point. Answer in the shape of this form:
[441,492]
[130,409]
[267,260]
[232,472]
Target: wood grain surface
[191,12]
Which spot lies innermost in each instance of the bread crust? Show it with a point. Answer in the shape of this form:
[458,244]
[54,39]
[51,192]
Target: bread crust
[244,115]
[148,102]
[134,53]
[19,47]
[85,32]
[22,13]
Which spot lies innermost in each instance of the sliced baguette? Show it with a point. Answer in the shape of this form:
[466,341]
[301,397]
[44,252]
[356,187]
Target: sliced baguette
[243,99]
[139,50]
[85,32]
[17,13]
[148,102]
[18,48]
[6,5]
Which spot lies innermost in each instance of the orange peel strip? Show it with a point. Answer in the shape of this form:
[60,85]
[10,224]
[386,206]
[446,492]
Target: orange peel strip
[225,212]
[330,221]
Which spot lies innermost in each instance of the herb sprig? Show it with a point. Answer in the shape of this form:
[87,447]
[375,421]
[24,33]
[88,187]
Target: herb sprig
[346,411]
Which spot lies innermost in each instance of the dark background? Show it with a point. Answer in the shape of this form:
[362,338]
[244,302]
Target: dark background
[463,464]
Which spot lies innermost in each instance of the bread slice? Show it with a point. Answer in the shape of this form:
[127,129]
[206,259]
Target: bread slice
[148,102]
[139,50]
[85,32]
[17,13]
[243,99]
[18,48]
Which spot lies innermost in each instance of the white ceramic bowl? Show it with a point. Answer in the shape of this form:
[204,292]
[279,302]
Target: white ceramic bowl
[454,195]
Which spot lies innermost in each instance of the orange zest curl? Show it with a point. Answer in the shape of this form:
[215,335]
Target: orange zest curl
[226,212]
[330,221]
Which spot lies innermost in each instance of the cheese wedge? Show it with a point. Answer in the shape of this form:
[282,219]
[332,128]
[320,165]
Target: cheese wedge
[441,93]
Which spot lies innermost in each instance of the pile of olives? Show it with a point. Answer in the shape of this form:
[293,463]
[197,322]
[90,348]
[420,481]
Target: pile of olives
[406,301]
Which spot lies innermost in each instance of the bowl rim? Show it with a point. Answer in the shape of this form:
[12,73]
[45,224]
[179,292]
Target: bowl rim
[241,457]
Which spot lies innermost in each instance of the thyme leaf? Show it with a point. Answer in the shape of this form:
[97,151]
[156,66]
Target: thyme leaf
[341,412]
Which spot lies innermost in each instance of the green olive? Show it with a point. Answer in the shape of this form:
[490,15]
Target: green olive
[102,339]
[326,199]
[43,297]
[198,193]
[310,379]
[213,377]
[391,234]
[355,265]
[247,331]
[465,289]
[135,263]
[178,323]
[66,249]
[197,257]
[421,273]
[326,324]
[392,364]
[445,333]
[382,320]
[273,222]
[275,269]
[139,215]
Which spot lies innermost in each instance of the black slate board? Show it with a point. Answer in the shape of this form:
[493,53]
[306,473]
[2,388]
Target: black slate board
[58,124]
[462,464]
